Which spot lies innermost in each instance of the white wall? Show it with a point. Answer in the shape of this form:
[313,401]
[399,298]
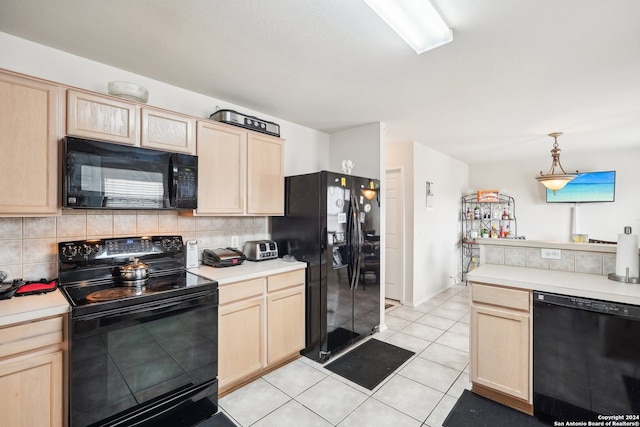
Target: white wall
[538,220]
[306,150]
[362,145]
[432,250]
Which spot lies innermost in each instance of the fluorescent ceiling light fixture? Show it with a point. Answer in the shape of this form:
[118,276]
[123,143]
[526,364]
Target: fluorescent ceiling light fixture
[416,21]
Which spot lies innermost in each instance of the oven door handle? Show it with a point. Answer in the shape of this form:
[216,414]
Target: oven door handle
[136,310]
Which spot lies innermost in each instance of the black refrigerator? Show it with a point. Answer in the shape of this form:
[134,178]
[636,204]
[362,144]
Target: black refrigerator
[332,222]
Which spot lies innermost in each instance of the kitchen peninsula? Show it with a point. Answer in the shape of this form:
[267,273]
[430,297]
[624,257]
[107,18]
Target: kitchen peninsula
[502,307]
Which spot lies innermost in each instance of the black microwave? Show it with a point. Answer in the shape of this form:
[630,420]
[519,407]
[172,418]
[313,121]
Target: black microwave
[102,175]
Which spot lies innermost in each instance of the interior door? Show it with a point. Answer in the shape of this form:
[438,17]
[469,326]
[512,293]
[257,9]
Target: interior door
[394,255]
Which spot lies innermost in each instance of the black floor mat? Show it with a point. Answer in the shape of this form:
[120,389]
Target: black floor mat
[370,363]
[472,410]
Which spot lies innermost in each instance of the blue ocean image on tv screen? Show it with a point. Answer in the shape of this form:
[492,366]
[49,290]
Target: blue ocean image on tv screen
[587,187]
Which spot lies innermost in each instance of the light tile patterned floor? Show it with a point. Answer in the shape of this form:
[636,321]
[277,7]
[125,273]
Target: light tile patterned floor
[419,393]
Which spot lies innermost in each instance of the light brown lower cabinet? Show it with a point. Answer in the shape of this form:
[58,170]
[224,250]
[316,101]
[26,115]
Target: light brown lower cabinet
[261,325]
[500,345]
[240,339]
[31,374]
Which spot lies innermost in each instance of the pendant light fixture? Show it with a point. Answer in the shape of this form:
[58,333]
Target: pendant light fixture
[554,180]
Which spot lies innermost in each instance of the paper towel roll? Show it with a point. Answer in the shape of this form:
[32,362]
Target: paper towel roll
[627,255]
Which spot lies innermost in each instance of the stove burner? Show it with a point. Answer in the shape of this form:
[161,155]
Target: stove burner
[114,293]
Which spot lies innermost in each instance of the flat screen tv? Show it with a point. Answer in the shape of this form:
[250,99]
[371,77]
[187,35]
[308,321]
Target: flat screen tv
[587,187]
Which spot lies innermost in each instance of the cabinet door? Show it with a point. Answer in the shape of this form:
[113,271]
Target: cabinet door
[221,169]
[240,340]
[265,175]
[285,323]
[500,350]
[31,114]
[168,131]
[32,391]
[103,118]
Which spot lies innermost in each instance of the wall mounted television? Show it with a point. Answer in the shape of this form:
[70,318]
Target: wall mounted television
[587,187]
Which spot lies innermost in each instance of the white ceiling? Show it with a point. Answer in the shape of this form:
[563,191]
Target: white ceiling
[515,71]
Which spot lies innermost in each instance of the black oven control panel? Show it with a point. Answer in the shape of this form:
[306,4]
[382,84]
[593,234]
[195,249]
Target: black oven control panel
[97,249]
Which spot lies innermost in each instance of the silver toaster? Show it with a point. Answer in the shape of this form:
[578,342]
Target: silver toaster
[259,250]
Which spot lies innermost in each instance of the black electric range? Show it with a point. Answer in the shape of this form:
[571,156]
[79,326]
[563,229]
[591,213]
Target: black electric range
[154,340]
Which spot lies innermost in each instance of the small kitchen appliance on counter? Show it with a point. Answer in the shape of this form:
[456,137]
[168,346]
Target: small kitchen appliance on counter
[234,118]
[259,250]
[143,333]
[192,253]
[223,257]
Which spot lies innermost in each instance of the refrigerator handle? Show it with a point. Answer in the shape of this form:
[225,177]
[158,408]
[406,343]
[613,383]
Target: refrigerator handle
[356,243]
[350,244]
[359,244]
[324,239]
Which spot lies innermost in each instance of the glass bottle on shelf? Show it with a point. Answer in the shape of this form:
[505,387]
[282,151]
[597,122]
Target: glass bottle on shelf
[510,211]
[476,212]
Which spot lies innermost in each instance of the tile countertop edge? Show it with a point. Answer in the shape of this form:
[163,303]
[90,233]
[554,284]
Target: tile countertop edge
[247,270]
[32,307]
[559,282]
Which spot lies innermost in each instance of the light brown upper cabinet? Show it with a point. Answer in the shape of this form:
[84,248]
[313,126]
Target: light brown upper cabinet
[106,118]
[222,153]
[31,124]
[239,172]
[265,175]
[165,130]
[103,118]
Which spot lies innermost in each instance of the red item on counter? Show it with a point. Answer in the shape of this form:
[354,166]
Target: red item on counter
[37,287]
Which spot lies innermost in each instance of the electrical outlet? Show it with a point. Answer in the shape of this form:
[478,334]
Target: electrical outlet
[551,253]
[234,241]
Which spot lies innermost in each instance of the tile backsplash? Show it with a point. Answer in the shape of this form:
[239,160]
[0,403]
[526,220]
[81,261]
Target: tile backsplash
[571,260]
[28,246]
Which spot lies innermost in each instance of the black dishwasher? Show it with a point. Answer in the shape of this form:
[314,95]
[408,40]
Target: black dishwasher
[586,359]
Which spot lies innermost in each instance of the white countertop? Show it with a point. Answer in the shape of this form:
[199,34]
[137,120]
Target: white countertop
[247,270]
[31,307]
[561,282]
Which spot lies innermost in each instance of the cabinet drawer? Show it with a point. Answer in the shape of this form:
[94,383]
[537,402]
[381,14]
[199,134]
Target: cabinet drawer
[505,297]
[285,280]
[30,336]
[241,290]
